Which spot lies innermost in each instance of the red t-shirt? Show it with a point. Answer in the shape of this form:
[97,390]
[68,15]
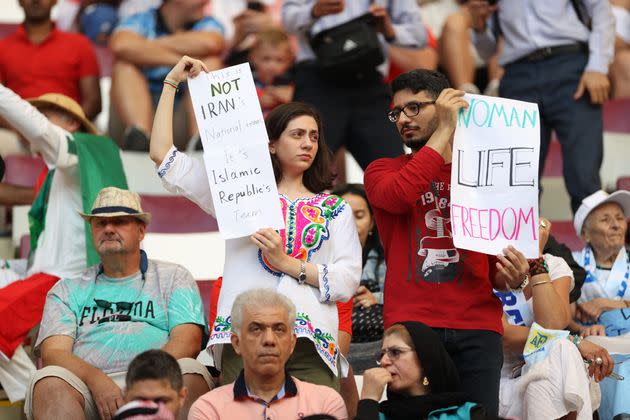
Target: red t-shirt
[428,279]
[56,65]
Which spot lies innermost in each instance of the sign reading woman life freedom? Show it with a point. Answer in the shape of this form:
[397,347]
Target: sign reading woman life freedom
[236,152]
[494,180]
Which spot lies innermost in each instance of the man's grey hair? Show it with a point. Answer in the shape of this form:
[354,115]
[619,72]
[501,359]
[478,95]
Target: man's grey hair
[260,298]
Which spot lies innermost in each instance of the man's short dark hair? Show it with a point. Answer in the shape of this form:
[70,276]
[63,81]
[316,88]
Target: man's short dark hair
[154,364]
[432,82]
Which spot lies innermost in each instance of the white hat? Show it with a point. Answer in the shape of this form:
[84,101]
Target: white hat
[114,202]
[596,199]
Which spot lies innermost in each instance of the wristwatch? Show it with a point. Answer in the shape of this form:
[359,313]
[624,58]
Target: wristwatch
[523,284]
[302,276]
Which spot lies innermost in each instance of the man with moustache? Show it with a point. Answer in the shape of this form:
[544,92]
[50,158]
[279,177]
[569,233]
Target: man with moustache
[262,334]
[429,279]
[96,323]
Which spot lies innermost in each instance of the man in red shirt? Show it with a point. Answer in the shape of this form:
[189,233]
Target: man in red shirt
[429,279]
[39,59]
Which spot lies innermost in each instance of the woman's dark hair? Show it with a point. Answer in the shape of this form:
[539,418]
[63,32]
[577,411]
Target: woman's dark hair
[432,82]
[319,176]
[373,241]
[436,363]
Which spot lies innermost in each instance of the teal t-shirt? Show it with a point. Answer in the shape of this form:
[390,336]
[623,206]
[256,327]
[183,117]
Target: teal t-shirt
[113,320]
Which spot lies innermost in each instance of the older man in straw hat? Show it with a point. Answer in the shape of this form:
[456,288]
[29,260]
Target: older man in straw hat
[79,163]
[96,323]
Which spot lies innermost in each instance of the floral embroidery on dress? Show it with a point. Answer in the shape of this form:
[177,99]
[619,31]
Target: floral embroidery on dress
[222,328]
[324,341]
[307,226]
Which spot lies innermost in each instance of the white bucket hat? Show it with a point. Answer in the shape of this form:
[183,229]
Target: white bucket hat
[595,200]
[114,202]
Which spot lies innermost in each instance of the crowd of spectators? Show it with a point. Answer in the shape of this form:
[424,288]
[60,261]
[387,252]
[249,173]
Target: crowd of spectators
[353,284]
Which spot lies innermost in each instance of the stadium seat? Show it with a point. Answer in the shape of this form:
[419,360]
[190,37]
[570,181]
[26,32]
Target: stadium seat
[183,233]
[564,233]
[22,170]
[616,113]
[623,183]
[205,289]
[173,214]
[553,163]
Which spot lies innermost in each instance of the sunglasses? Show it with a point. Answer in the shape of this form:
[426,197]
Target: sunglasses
[120,306]
[393,353]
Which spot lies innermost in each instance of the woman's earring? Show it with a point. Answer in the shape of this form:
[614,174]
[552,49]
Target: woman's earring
[425,381]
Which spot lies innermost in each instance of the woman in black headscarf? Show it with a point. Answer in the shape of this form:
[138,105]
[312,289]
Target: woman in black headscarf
[419,374]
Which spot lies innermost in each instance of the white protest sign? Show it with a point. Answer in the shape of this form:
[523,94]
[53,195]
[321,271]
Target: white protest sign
[494,177]
[236,152]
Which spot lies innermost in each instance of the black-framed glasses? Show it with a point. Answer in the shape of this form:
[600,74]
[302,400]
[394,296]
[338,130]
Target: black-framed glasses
[120,306]
[393,353]
[411,110]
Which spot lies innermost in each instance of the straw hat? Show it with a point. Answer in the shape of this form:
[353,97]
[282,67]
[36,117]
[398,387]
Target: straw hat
[114,202]
[595,200]
[66,104]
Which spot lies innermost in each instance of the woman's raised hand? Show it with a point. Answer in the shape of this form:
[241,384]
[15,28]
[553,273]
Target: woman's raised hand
[187,66]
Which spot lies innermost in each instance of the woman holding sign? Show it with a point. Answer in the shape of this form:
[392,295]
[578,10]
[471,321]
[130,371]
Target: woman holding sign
[553,382]
[315,260]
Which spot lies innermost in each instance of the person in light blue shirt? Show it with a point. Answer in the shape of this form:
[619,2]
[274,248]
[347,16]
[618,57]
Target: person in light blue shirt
[145,47]
[95,324]
[556,54]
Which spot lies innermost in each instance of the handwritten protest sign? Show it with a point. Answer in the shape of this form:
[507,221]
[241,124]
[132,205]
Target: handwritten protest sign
[236,154]
[494,180]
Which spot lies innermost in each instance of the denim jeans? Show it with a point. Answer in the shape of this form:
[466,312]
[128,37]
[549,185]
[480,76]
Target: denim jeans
[478,357]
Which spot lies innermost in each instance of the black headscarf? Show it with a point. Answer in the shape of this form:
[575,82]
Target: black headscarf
[439,369]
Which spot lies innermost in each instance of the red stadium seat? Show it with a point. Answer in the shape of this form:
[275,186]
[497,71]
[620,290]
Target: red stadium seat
[623,183]
[564,233]
[174,214]
[616,113]
[22,170]
[553,164]
[205,289]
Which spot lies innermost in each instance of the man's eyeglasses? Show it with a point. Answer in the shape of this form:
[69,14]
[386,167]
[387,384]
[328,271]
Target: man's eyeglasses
[393,353]
[411,110]
[120,306]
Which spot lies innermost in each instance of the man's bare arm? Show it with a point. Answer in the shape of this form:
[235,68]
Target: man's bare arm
[57,351]
[193,43]
[184,341]
[131,47]
[15,195]
[90,96]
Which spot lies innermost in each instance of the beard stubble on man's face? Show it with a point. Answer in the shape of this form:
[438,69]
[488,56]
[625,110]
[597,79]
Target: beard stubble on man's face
[420,140]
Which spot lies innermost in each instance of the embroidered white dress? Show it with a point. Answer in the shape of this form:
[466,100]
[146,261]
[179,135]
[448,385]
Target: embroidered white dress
[319,229]
[553,387]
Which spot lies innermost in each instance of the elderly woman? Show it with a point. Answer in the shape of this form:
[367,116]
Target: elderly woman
[558,385]
[601,221]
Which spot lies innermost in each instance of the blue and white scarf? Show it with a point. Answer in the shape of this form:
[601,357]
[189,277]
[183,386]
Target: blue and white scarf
[597,284]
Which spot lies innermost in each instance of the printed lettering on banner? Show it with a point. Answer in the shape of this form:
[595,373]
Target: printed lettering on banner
[494,180]
[236,152]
